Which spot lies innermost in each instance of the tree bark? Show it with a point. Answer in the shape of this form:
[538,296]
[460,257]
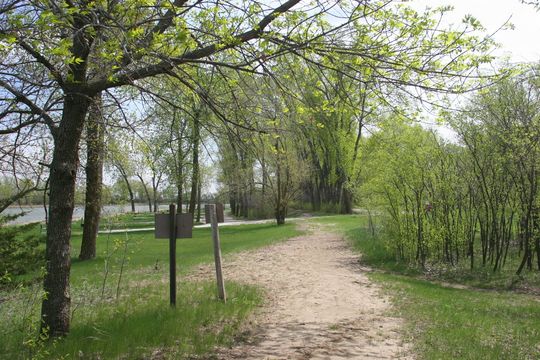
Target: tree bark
[131,197]
[147,193]
[124,175]
[346,200]
[199,202]
[156,180]
[179,197]
[195,175]
[95,134]
[55,310]
[280,215]
[179,179]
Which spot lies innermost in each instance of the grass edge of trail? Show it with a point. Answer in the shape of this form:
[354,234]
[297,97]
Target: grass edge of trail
[139,323]
[446,322]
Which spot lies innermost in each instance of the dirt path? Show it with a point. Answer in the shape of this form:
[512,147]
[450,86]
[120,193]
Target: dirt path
[320,305]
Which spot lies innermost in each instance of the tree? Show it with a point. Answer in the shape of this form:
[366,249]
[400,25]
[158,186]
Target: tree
[500,130]
[118,159]
[95,135]
[475,199]
[63,42]
[58,56]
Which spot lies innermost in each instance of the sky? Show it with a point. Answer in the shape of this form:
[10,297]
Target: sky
[522,43]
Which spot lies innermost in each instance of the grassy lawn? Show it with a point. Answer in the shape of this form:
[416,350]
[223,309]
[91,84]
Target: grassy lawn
[120,299]
[450,323]
[444,322]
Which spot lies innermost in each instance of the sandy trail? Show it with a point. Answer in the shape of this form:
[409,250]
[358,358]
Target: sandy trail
[320,304]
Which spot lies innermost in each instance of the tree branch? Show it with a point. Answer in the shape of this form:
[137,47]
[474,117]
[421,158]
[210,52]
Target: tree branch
[33,107]
[168,64]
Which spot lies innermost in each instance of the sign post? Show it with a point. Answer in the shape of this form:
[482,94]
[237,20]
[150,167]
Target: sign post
[172,253]
[211,211]
[172,226]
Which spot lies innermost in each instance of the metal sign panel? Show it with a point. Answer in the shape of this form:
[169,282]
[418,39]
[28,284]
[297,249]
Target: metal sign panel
[184,226]
[162,226]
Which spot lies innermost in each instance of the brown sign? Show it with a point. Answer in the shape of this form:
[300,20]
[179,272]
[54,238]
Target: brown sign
[206,214]
[184,226]
[220,214]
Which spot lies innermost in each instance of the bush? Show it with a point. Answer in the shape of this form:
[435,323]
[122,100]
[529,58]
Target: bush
[20,250]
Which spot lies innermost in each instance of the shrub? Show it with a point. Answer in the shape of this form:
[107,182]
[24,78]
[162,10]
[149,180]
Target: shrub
[20,250]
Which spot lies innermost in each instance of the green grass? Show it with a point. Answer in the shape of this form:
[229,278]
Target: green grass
[145,251]
[444,322]
[145,324]
[449,323]
[120,299]
[141,322]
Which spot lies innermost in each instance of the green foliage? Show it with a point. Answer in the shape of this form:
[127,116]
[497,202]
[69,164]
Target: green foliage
[404,172]
[474,202]
[21,250]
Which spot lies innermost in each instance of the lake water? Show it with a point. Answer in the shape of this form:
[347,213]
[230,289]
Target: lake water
[37,213]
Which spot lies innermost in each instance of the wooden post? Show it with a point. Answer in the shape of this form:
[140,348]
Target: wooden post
[172,253]
[217,252]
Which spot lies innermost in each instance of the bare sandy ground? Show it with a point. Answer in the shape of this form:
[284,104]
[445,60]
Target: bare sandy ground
[320,303]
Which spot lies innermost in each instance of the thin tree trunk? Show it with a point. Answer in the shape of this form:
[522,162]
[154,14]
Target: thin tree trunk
[130,191]
[279,211]
[179,195]
[131,197]
[156,180]
[199,201]
[195,175]
[179,182]
[94,177]
[128,185]
[149,199]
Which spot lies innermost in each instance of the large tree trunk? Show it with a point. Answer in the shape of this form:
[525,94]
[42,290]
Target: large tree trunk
[346,200]
[95,133]
[195,175]
[280,213]
[55,310]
